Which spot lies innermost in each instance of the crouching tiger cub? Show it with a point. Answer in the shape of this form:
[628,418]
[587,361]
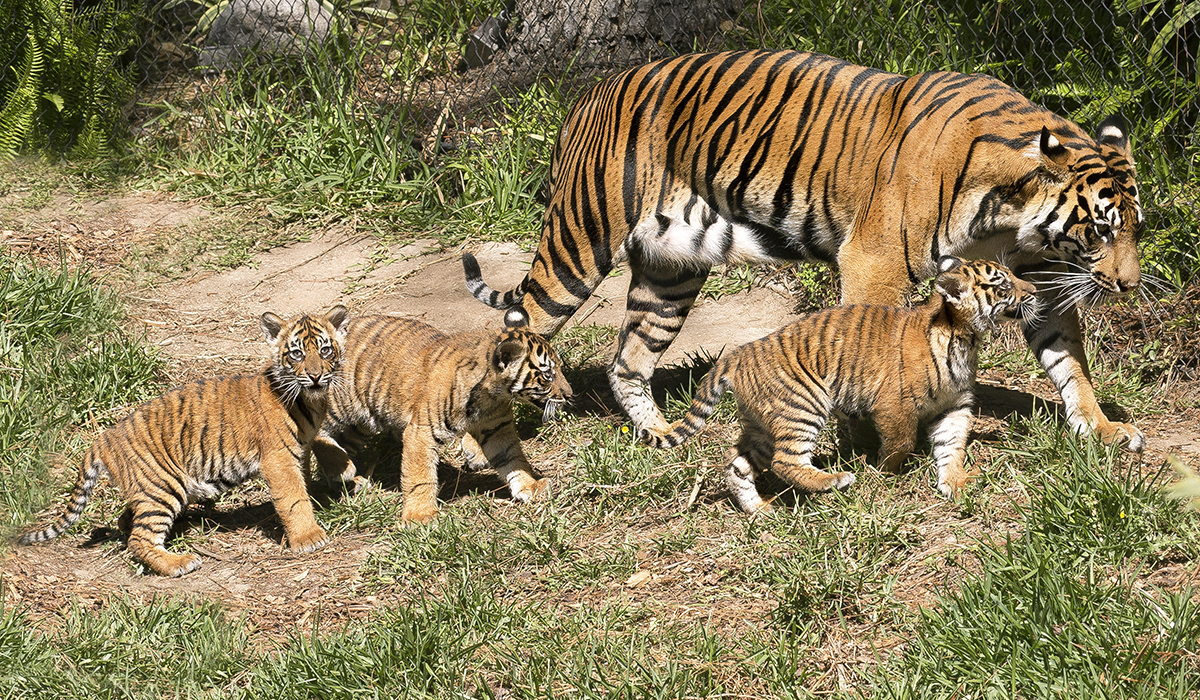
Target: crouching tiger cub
[204,438]
[427,388]
[900,366]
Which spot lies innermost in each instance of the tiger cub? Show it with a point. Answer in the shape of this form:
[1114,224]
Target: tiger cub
[900,366]
[427,388]
[201,439]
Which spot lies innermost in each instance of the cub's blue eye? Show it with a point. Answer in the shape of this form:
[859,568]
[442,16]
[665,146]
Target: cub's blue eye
[296,355]
[326,352]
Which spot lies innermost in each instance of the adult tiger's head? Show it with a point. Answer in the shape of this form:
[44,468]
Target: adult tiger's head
[306,352]
[984,292]
[530,371]
[1089,216]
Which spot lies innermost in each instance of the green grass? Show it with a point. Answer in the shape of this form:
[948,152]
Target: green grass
[67,360]
[335,158]
[638,578]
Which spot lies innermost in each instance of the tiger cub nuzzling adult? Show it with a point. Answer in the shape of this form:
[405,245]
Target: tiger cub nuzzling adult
[202,439]
[900,366]
[427,388]
[754,156]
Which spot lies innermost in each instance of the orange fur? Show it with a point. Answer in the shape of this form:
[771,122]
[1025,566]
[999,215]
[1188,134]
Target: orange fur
[756,156]
[426,388]
[899,366]
[201,439]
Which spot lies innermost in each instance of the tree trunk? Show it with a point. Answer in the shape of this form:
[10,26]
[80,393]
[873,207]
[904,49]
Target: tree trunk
[602,36]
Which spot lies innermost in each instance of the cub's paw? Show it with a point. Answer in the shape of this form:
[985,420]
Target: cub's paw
[418,515]
[529,489]
[952,486]
[653,437]
[841,481]
[358,485]
[308,542]
[174,565]
[1126,433]
[758,507]
[815,480]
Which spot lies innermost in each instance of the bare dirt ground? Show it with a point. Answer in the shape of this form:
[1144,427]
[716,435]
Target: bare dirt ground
[206,323]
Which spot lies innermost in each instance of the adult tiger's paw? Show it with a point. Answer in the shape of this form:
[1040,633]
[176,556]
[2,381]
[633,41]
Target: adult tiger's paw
[1126,433]
[308,542]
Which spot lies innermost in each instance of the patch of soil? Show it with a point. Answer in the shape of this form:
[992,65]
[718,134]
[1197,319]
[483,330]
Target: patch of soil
[103,233]
[207,324]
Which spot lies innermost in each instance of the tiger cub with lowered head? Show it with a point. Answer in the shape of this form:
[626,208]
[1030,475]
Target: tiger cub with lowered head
[427,388]
[201,439]
[900,366]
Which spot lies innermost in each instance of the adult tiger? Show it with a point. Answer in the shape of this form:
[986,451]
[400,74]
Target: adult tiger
[775,155]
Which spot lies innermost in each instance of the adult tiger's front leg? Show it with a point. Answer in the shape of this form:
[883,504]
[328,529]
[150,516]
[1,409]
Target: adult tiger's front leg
[1057,343]
[659,300]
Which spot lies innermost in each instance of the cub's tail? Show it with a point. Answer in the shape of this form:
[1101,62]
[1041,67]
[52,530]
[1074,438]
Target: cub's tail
[80,495]
[481,291]
[714,385]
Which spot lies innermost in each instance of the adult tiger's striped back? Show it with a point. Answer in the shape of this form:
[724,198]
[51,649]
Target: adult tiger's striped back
[766,155]
[202,439]
[900,366]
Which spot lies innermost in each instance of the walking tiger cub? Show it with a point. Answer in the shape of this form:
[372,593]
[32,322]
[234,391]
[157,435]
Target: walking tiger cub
[427,388]
[204,438]
[900,366]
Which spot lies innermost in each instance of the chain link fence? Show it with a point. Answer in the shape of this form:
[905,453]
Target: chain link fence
[437,68]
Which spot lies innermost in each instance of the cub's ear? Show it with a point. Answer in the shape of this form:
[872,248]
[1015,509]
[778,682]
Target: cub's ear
[1054,154]
[947,263]
[515,317]
[507,352]
[339,318]
[271,325]
[950,286]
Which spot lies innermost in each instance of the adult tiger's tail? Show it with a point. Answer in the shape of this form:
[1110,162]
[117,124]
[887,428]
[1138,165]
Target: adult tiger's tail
[481,291]
[80,495]
[712,388]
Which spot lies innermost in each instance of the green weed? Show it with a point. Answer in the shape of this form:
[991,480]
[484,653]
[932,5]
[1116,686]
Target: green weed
[66,360]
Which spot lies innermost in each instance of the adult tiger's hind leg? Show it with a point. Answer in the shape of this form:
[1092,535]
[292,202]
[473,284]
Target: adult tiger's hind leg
[1057,343]
[659,300]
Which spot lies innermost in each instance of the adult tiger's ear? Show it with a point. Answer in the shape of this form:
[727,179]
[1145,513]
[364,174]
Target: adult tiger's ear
[1054,155]
[947,263]
[515,317]
[271,325]
[1115,132]
[339,318]
[509,350]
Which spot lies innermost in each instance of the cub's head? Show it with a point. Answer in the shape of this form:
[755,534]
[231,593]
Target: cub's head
[1086,209]
[984,292]
[306,351]
[528,365]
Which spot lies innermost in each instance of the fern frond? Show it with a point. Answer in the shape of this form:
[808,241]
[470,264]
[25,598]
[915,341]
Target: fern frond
[19,109]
